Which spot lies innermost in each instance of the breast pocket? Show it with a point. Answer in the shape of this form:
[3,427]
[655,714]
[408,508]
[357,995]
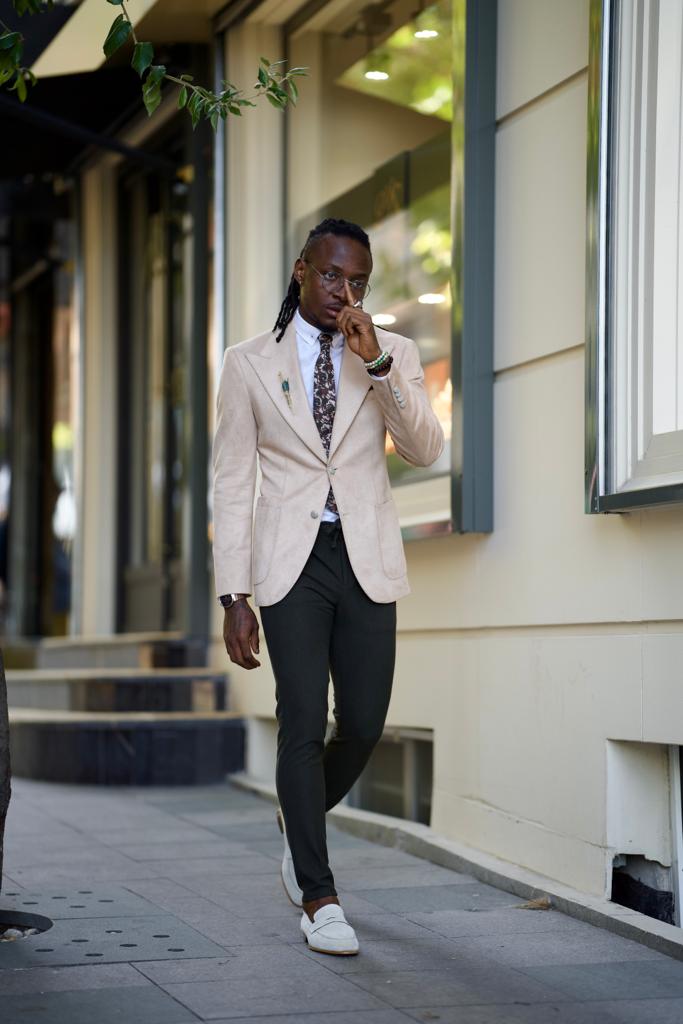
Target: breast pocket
[390,540]
[266,520]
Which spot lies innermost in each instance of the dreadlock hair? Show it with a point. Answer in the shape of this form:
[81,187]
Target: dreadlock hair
[329,226]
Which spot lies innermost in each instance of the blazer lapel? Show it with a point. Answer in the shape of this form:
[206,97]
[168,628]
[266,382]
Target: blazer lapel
[354,384]
[278,362]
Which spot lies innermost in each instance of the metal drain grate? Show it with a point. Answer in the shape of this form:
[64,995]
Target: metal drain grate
[87,901]
[73,941]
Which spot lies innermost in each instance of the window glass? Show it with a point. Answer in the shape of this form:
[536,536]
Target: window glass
[372,141]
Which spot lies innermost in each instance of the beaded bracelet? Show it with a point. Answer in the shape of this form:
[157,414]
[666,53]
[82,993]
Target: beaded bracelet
[386,365]
[374,364]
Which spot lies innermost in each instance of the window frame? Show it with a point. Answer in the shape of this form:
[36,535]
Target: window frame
[600,496]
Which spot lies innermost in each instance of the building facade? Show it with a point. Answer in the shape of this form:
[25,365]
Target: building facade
[535,712]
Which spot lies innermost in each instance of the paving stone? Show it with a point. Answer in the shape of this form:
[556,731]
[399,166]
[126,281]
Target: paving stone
[247,863]
[175,832]
[227,817]
[473,897]
[86,901]
[67,979]
[100,874]
[509,920]
[632,980]
[646,1011]
[461,985]
[334,1017]
[582,946]
[185,850]
[423,954]
[253,962]
[307,990]
[146,1005]
[394,877]
[109,940]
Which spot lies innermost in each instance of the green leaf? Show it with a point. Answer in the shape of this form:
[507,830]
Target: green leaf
[21,87]
[293,92]
[151,88]
[186,78]
[275,101]
[214,120]
[9,39]
[265,62]
[262,77]
[143,55]
[182,98]
[118,34]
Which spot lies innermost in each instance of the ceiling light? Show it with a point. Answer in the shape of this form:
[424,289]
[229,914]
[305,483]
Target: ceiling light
[376,76]
[431,298]
[383,319]
[426,33]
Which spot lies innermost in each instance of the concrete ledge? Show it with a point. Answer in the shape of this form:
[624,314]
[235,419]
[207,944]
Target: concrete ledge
[422,841]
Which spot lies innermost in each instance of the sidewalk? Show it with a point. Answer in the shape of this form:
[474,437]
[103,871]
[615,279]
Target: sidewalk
[168,908]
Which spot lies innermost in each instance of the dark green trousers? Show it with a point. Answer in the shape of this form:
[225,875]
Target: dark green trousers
[326,625]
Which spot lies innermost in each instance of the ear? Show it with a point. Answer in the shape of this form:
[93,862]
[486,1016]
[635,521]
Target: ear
[299,269]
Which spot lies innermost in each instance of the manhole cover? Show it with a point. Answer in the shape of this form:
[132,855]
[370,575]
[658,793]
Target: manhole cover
[15,925]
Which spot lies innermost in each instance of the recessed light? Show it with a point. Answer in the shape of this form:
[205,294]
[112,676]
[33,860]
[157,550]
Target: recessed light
[376,76]
[426,33]
[431,298]
[383,319]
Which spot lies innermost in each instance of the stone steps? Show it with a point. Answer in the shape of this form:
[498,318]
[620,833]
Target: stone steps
[125,748]
[118,650]
[118,689]
[127,709]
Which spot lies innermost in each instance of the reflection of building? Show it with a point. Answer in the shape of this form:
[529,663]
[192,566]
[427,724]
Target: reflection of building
[535,707]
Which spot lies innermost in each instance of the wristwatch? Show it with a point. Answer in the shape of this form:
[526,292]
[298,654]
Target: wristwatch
[228,600]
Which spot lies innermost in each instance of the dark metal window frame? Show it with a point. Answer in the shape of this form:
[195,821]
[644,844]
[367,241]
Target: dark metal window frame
[599,353]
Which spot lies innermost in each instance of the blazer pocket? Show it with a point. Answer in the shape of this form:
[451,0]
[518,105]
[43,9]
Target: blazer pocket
[390,540]
[266,519]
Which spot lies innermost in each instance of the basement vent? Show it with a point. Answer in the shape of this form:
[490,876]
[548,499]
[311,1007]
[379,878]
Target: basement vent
[397,779]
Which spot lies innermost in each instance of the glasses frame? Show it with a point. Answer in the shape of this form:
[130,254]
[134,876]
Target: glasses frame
[354,288]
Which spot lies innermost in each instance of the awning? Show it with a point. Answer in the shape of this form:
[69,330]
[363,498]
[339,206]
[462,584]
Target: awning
[78,46]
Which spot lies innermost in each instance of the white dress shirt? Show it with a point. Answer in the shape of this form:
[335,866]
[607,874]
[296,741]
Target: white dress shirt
[308,349]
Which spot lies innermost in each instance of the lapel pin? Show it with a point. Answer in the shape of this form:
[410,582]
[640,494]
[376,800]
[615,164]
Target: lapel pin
[284,383]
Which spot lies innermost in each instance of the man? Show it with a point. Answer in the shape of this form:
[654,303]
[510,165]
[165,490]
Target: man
[313,400]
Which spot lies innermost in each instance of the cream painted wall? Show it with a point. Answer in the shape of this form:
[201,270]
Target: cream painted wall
[559,635]
[94,598]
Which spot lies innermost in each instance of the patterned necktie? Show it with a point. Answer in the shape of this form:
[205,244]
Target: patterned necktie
[325,401]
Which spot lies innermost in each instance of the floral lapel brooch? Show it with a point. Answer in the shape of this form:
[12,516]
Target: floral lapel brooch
[284,384]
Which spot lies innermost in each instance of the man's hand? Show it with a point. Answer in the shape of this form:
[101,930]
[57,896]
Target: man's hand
[240,633]
[357,327]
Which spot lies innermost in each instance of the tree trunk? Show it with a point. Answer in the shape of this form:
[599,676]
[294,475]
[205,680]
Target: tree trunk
[5,773]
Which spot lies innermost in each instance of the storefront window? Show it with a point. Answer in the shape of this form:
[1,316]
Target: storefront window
[378,139]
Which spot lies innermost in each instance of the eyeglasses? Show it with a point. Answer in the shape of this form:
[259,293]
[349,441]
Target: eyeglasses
[331,280]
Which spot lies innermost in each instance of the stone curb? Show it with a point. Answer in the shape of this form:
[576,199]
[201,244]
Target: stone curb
[422,841]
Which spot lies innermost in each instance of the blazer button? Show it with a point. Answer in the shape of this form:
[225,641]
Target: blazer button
[333,469]
[314,515]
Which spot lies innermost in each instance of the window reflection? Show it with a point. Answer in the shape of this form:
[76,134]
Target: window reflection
[395,78]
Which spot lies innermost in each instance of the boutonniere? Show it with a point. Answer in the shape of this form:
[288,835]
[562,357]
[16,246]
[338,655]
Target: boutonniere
[284,384]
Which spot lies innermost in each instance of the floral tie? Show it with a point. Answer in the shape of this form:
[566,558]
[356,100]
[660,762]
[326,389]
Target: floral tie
[324,402]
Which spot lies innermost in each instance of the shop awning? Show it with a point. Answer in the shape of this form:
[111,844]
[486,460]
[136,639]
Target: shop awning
[78,46]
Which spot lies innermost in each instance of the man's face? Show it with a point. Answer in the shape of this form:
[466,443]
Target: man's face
[318,303]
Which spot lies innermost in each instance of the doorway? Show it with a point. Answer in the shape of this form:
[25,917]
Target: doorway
[162,392]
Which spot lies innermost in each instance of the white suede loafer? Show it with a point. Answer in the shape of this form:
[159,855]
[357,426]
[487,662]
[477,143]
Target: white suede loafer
[287,871]
[329,931]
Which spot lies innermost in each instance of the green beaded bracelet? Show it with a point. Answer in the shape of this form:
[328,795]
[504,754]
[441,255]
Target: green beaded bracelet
[374,364]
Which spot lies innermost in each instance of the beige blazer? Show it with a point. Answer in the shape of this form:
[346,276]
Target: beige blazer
[262,551]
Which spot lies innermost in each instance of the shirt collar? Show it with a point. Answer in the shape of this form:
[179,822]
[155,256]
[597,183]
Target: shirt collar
[308,333]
